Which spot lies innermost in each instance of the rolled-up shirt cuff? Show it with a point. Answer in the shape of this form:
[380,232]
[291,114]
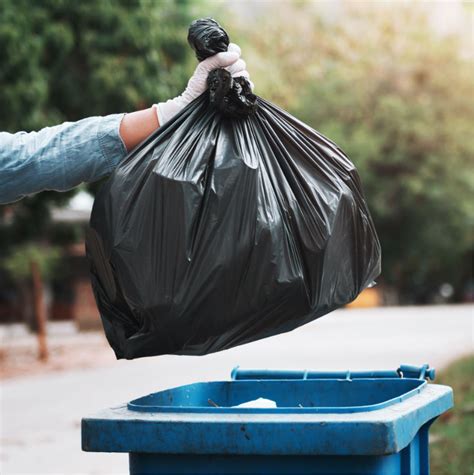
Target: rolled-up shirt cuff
[111,144]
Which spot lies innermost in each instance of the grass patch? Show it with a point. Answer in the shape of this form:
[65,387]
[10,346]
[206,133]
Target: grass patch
[452,435]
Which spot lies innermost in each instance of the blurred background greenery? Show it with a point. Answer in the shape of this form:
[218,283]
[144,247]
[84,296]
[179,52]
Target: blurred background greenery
[389,82]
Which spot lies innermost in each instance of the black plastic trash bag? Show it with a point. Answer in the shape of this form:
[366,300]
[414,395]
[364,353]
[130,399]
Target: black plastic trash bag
[218,231]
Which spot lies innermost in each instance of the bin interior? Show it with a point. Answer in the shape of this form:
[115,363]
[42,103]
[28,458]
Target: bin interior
[329,395]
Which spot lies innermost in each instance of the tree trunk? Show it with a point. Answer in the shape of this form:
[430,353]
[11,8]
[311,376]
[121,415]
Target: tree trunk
[39,310]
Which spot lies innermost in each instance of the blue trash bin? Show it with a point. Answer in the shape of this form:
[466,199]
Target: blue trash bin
[366,422]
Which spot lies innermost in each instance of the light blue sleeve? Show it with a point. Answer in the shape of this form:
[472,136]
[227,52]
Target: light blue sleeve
[60,157]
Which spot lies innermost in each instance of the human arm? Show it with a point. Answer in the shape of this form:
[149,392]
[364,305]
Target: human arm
[230,60]
[61,157]
[137,126]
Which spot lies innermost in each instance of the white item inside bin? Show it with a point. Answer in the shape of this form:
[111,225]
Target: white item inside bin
[260,403]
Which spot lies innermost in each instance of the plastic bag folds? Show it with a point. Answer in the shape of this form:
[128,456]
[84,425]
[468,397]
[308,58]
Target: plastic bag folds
[219,231]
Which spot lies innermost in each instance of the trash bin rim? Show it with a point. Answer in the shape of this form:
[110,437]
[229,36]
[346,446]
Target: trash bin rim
[384,431]
[135,406]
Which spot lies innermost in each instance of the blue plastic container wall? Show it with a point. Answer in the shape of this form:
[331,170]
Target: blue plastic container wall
[373,422]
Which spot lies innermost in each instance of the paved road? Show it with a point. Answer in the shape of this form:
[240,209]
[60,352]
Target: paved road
[40,416]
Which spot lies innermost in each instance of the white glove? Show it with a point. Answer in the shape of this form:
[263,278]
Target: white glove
[198,82]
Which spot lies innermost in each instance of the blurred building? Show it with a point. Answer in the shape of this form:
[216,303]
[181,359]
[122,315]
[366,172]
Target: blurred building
[68,296]
[72,296]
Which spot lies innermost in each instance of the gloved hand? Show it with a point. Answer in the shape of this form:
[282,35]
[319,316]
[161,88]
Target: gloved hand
[230,60]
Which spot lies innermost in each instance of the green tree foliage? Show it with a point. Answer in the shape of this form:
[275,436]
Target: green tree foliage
[63,60]
[18,263]
[398,98]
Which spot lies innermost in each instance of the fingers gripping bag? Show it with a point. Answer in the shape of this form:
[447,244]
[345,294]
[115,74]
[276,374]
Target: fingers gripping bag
[233,222]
